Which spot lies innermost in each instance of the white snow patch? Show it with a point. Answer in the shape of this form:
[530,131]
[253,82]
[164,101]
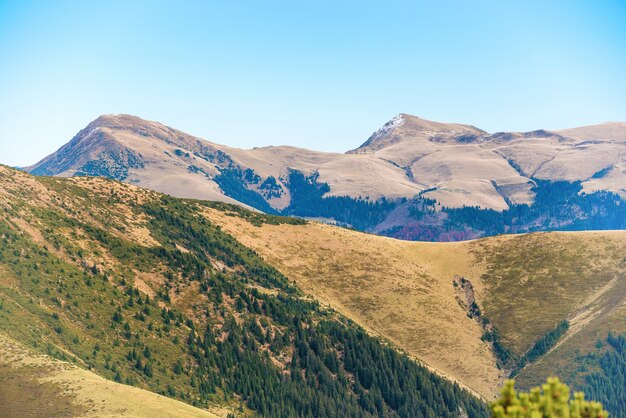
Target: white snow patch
[395,122]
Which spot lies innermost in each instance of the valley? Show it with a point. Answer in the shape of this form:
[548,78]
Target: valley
[144,290]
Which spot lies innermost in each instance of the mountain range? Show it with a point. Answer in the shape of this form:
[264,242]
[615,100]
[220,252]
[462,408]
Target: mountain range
[143,256]
[410,165]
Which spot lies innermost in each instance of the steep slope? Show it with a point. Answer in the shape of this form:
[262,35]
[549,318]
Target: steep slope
[394,132]
[402,291]
[449,159]
[457,165]
[410,292]
[140,152]
[84,251]
[144,289]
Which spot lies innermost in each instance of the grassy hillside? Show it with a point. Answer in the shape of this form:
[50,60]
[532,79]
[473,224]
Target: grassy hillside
[523,285]
[146,290]
[534,281]
[397,289]
[37,385]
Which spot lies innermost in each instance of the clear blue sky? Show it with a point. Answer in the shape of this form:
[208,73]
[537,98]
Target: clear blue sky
[316,74]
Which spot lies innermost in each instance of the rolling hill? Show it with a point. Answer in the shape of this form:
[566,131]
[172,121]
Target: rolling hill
[417,295]
[146,291]
[37,385]
[164,294]
[407,180]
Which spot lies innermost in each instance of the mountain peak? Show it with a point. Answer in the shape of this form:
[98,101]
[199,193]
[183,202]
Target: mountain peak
[409,127]
[611,131]
[120,120]
[458,163]
[104,136]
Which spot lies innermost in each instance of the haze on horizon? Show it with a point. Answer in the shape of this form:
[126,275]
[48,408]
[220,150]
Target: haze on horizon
[317,75]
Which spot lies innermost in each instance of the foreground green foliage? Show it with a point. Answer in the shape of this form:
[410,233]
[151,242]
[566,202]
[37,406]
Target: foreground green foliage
[551,400]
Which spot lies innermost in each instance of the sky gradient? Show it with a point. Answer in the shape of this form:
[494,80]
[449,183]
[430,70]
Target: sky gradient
[315,74]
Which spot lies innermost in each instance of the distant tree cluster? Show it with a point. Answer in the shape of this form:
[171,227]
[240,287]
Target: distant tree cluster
[558,206]
[307,199]
[542,346]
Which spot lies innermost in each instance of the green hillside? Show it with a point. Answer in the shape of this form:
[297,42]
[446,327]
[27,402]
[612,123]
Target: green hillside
[144,290]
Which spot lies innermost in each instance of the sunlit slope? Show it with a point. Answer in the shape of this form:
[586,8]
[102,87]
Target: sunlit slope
[401,290]
[59,289]
[38,385]
[524,284]
[457,165]
[78,253]
[535,281]
[144,289]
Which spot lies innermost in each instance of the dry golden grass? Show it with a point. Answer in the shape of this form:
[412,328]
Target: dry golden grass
[537,280]
[37,385]
[403,291]
[400,290]
[588,288]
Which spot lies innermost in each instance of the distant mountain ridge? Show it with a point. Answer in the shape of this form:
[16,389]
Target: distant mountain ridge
[454,165]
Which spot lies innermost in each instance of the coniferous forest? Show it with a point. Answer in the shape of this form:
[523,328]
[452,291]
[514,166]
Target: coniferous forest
[558,206]
[606,382]
[335,369]
[244,336]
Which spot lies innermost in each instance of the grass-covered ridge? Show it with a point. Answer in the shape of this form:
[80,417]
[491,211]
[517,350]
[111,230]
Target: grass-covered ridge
[527,289]
[145,290]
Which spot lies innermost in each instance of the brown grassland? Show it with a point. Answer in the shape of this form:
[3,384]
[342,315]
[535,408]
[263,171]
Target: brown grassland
[403,291]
